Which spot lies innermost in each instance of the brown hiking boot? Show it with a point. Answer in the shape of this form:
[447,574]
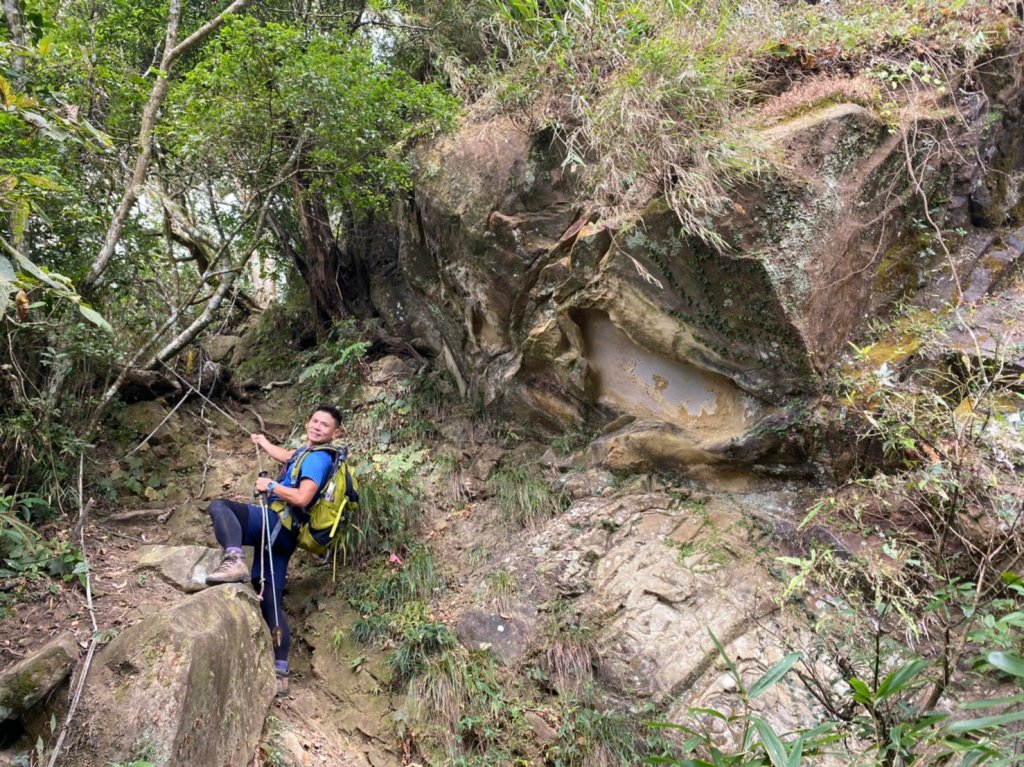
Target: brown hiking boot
[282,685]
[232,569]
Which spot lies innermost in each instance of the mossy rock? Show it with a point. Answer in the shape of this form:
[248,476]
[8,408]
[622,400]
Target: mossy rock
[30,680]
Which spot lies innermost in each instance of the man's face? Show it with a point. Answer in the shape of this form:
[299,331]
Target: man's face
[321,428]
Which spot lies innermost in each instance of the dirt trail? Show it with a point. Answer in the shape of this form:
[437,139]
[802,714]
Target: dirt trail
[299,729]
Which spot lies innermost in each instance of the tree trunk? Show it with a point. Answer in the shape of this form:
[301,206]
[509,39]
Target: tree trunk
[338,285]
[16,28]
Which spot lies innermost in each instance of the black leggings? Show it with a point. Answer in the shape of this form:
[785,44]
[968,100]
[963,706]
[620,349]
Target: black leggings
[241,524]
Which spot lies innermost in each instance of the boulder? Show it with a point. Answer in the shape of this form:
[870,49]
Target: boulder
[33,678]
[191,685]
[152,418]
[654,574]
[220,348]
[786,706]
[564,321]
[505,634]
[182,566]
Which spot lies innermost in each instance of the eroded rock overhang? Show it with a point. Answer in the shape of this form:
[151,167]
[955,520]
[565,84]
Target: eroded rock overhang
[565,322]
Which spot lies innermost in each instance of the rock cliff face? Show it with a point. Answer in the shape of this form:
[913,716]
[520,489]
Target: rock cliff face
[678,351]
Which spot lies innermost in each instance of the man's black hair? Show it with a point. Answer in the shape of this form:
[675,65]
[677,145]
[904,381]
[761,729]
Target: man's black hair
[331,410]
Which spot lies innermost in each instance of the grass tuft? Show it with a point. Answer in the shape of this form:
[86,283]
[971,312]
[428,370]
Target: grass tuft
[524,499]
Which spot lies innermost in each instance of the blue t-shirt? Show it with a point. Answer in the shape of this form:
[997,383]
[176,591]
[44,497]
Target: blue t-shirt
[315,467]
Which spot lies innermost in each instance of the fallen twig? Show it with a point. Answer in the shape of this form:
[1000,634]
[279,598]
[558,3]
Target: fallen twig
[126,516]
[80,527]
[259,419]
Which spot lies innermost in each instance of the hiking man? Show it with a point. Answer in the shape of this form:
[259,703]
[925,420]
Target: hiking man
[238,524]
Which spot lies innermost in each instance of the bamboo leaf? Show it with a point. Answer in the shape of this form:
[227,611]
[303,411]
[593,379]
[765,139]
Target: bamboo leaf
[900,679]
[771,742]
[1009,664]
[991,702]
[797,753]
[860,690]
[971,725]
[733,671]
[774,674]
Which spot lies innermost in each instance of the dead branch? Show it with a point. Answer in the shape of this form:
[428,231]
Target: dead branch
[128,516]
[83,509]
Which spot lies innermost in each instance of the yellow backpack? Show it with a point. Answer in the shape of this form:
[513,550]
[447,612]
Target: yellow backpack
[335,502]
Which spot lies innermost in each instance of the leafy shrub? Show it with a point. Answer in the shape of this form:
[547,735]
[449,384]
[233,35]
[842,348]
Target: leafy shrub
[333,371]
[390,500]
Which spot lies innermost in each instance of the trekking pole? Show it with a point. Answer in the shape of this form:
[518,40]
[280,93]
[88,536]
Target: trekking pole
[265,547]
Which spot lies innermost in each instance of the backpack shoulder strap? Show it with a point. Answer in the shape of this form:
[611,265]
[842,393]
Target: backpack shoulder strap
[301,454]
[350,492]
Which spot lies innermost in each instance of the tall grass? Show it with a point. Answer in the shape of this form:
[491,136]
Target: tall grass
[524,500]
[647,96]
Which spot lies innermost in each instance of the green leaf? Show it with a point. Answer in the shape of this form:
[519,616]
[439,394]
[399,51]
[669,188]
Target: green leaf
[971,725]
[6,92]
[774,674]
[99,135]
[95,317]
[861,691]
[1007,663]
[6,269]
[7,278]
[771,742]
[733,671]
[42,182]
[900,679]
[714,713]
[796,755]
[990,702]
[48,128]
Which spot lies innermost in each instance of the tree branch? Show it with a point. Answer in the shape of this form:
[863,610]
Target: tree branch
[172,51]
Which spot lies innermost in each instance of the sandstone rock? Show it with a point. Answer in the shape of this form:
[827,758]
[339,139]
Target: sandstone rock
[786,705]
[146,419]
[356,686]
[559,326]
[507,637]
[189,686]
[544,731]
[31,679]
[220,348]
[389,368]
[583,484]
[290,751]
[657,575]
[182,566]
